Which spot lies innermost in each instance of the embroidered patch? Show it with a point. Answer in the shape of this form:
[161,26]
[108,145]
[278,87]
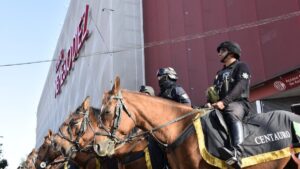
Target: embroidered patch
[245,75]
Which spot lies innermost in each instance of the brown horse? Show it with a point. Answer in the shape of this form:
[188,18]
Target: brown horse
[48,157]
[84,160]
[67,142]
[46,154]
[123,110]
[133,155]
[31,159]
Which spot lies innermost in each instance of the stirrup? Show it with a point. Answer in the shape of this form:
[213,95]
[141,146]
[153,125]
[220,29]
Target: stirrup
[231,157]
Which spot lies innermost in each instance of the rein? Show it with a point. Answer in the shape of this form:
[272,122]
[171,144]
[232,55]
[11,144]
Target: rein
[84,125]
[121,106]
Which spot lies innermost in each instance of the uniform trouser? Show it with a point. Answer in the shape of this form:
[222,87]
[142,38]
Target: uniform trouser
[233,115]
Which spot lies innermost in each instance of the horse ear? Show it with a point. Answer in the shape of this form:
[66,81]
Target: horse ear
[86,103]
[50,132]
[115,89]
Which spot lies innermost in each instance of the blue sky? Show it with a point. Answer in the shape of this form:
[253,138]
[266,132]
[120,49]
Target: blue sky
[29,32]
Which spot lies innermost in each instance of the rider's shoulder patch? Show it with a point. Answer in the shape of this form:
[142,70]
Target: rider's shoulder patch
[245,75]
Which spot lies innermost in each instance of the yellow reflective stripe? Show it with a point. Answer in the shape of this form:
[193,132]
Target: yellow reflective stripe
[265,157]
[98,164]
[147,158]
[248,161]
[209,158]
[66,165]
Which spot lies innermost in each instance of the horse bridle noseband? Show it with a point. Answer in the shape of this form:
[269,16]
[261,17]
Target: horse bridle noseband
[116,123]
[84,125]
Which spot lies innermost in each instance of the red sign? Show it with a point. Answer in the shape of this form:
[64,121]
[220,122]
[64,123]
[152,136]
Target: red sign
[65,62]
[291,81]
[282,83]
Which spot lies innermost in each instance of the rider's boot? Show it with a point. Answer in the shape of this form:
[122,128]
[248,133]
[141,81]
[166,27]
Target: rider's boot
[233,154]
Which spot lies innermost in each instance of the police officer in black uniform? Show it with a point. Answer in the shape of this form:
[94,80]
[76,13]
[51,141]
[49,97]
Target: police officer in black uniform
[232,85]
[169,89]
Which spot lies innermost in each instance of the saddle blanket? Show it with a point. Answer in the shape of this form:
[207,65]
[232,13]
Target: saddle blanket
[268,136]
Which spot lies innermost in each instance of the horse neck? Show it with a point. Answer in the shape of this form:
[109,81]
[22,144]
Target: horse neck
[151,112]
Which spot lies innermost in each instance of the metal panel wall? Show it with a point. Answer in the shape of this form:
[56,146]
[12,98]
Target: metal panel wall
[114,47]
[184,34]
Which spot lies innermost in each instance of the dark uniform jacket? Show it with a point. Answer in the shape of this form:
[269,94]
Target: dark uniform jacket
[233,82]
[174,92]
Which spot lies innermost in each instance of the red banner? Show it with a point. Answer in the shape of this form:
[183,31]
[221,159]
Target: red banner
[281,83]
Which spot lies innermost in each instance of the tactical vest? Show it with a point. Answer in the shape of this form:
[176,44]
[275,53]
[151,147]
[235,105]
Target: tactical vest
[227,79]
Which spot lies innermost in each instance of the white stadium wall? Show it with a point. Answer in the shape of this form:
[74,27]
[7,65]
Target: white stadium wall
[114,46]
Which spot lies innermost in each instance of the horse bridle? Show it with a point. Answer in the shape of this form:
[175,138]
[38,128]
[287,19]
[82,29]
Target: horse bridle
[83,127]
[81,131]
[116,121]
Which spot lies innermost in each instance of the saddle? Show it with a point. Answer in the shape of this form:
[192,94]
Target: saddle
[268,136]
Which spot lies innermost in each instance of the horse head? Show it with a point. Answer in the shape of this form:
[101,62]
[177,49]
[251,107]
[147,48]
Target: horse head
[62,141]
[31,159]
[77,131]
[115,121]
[46,154]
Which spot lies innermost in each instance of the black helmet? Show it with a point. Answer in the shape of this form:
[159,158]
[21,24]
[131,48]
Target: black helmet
[231,47]
[170,72]
[147,89]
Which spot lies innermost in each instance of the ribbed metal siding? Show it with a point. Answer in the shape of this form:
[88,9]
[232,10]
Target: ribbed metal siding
[113,48]
[190,30]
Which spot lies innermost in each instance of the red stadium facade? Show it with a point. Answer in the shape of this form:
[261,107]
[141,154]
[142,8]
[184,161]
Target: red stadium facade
[184,34]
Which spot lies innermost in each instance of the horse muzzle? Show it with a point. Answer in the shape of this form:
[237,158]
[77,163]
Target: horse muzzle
[105,148]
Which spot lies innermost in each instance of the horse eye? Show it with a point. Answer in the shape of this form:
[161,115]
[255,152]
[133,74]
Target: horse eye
[105,111]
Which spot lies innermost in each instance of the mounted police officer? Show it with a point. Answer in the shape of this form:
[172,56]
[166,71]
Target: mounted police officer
[231,85]
[169,89]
